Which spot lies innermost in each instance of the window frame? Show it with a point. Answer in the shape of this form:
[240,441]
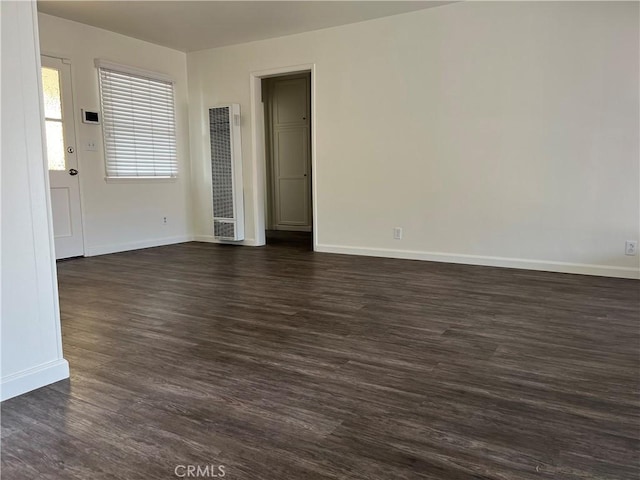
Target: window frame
[101,64]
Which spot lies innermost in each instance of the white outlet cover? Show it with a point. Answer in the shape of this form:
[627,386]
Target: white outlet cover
[631,247]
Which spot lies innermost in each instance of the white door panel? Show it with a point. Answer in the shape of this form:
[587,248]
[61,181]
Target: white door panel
[290,153]
[61,209]
[291,105]
[291,211]
[62,158]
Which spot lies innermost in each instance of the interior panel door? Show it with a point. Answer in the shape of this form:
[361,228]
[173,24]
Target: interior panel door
[62,158]
[290,153]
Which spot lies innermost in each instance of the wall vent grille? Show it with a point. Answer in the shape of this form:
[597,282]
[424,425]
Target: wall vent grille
[226,172]
[224,229]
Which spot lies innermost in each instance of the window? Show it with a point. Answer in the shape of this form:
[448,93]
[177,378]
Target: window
[138,122]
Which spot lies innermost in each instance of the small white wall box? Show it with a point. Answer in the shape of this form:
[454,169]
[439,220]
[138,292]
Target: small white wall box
[90,117]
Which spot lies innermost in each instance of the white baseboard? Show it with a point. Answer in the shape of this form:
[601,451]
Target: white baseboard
[123,247]
[27,380]
[548,266]
[249,242]
[526,264]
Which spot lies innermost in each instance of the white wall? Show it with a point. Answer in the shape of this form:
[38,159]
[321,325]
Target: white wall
[500,133]
[122,216]
[30,318]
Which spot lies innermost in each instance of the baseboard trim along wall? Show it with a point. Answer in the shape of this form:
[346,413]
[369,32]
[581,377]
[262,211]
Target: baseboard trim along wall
[525,264]
[249,242]
[36,377]
[124,247]
[505,262]
[159,242]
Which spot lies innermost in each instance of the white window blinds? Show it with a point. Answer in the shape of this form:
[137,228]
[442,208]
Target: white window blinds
[138,122]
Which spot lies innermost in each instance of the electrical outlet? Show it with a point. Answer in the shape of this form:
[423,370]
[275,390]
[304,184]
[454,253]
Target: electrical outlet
[397,233]
[631,247]
[164,220]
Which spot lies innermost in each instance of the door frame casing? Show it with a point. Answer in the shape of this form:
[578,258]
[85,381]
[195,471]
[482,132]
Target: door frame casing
[74,125]
[258,153]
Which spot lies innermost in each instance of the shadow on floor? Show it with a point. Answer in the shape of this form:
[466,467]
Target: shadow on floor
[299,240]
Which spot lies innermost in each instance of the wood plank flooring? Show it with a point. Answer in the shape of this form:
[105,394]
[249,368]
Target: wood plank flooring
[283,364]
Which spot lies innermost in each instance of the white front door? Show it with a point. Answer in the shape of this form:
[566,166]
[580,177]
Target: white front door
[62,158]
[289,107]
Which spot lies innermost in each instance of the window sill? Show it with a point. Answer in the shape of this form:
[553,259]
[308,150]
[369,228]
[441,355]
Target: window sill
[140,179]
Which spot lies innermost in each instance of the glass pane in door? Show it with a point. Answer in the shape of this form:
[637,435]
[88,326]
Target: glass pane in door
[55,145]
[53,118]
[52,97]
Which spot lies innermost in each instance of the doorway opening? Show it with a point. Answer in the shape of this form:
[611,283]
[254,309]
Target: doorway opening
[287,120]
[283,119]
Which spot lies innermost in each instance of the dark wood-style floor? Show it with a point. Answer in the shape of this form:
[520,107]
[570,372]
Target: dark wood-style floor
[279,363]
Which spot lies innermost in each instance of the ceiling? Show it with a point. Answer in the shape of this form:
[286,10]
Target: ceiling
[197,25]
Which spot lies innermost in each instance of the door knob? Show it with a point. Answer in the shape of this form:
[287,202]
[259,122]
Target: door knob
[70,150]
[73,172]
